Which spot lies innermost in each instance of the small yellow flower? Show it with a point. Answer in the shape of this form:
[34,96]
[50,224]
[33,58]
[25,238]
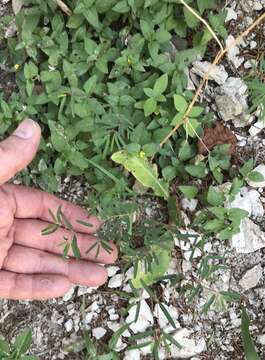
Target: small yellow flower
[142,154]
[129,61]
[17,67]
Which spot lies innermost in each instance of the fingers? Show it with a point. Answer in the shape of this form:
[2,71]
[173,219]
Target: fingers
[34,204]
[30,261]
[32,287]
[28,233]
[17,151]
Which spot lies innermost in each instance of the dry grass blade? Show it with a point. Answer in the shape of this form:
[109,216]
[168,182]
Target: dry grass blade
[63,7]
[204,22]
[218,57]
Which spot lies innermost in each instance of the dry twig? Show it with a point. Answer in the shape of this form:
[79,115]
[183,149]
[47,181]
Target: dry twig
[63,7]
[218,57]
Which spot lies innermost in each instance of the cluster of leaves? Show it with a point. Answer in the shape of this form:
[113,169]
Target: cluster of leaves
[107,83]
[256,87]
[18,349]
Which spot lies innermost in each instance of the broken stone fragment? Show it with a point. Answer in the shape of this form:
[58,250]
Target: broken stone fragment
[251,277]
[217,72]
[249,239]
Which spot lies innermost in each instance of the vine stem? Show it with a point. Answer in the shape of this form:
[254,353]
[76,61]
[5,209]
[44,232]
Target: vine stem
[218,57]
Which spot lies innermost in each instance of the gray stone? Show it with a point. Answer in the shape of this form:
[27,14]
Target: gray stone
[251,277]
[249,239]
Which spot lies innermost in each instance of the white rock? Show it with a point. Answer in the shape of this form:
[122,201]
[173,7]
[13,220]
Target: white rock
[114,326]
[192,254]
[261,339]
[233,52]
[132,355]
[251,278]
[256,128]
[217,72]
[231,14]
[258,184]
[191,345]
[250,238]
[69,325]
[83,290]
[116,281]
[145,317]
[88,318]
[112,270]
[69,294]
[253,44]
[189,204]
[235,86]
[186,266]
[190,85]
[145,350]
[99,332]
[120,345]
[161,317]
[229,107]
[249,201]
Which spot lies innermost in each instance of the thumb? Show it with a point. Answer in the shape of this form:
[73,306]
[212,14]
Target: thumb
[17,151]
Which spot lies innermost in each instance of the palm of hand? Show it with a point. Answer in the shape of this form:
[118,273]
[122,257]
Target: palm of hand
[31,264]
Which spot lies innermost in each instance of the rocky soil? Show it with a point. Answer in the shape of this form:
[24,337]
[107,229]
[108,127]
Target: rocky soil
[58,325]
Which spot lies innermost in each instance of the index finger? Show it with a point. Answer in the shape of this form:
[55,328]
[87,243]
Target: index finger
[18,150]
[29,203]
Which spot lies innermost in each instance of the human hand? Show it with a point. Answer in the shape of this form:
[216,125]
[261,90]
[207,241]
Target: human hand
[31,265]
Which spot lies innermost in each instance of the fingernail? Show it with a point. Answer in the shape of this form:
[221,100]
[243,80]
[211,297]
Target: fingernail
[26,129]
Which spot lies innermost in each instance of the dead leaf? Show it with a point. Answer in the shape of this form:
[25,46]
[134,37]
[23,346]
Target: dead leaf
[64,7]
[218,135]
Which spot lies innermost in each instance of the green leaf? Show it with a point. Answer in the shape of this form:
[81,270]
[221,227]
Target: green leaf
[115,337]
[90,84]
[180,103]
[23,341]
[255,176]
[169,172]
[91,16]
[191,20]
[30,70]
[247,168]
[161,84]
[158,268]
[189,191]
[198,170]
[167,315]
[205,4]
[215,197]
[121,7]
[142,170]
[191,127]
[196,111]
[149,106]
[75,248]
[248,343]
[4,347]
[186,151]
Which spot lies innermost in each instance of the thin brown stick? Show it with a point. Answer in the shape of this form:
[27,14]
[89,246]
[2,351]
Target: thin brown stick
[63,7]
[218,57]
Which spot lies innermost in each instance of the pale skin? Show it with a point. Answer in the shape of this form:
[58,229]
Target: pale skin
[31,265]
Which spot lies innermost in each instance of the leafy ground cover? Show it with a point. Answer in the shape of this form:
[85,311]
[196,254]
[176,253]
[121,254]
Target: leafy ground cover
[107,81]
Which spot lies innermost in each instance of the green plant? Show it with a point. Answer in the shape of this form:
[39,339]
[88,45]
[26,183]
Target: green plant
[107,84]
[256,87]
[18,349]
[248,343]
